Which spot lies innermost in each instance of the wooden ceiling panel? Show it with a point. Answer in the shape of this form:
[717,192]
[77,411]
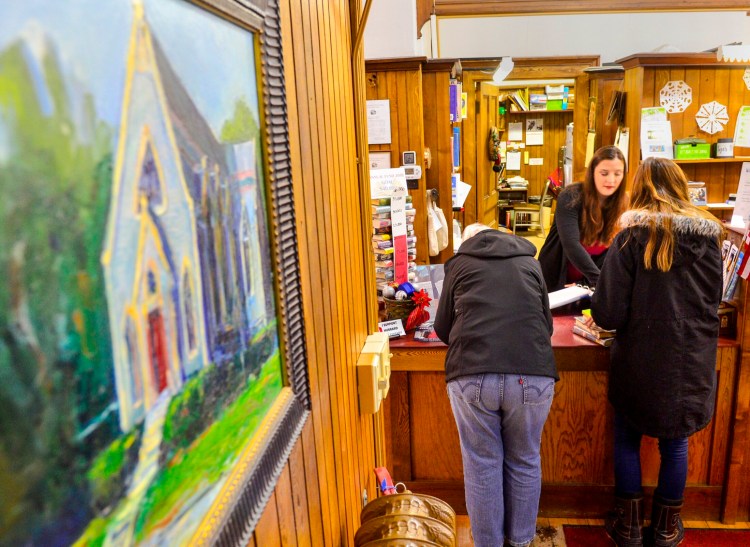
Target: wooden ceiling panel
[539,7]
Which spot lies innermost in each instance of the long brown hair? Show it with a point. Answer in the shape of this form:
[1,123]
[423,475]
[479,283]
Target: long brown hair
[599,221]
[661,187]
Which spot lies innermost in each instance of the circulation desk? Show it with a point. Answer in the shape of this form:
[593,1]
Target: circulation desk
[577,449]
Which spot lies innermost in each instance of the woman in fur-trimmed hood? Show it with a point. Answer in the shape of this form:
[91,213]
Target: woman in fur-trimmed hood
[660,288]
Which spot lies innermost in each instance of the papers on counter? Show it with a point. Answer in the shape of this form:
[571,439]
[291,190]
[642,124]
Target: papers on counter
[568,295]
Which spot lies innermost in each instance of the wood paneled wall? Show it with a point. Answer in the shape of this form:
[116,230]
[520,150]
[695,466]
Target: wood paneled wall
[599,86]
[577,466]
[555,127]
[401,84]
[646,75]
[437,138]
[319,495]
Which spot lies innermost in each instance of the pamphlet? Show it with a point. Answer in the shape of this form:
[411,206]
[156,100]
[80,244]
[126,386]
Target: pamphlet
[426,333]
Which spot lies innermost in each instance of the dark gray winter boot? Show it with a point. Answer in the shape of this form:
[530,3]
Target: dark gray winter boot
[625,523]
[666,522]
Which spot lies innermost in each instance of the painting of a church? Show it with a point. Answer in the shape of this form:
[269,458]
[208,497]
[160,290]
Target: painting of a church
[187,283]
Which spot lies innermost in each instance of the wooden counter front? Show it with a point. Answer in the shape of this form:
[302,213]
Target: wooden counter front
[577,468]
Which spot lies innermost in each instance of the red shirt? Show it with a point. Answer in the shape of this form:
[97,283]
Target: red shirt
[574,276]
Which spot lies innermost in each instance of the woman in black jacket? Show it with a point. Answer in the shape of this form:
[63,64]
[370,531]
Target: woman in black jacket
[494,315]
[660,288]
[585,222]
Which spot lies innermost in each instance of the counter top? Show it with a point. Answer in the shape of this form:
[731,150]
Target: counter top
[572,352]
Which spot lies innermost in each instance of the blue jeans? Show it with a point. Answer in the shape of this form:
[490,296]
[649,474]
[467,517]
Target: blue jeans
[673,467]
[500,418]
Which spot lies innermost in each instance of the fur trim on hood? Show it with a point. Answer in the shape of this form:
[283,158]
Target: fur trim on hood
[681,224]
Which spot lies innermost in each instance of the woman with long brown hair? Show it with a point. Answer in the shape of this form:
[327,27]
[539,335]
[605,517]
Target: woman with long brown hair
[660,288]
[585,222]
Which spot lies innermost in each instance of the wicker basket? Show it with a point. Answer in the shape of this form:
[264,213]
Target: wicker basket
[398,309]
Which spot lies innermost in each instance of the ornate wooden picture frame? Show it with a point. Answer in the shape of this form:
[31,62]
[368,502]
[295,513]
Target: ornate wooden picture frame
[153,373]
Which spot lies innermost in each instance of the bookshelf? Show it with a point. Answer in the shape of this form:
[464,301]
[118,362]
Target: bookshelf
[539,98]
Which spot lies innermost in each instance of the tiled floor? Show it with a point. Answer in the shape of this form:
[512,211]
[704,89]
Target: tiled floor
[550,533]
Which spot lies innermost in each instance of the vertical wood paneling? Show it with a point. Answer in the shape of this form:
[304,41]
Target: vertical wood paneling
[317,499]
[469,146]
[584,90]
[577,446]
[268,526]
[576,436]
[434,456]
[437,137]
[285,509]
[554,124]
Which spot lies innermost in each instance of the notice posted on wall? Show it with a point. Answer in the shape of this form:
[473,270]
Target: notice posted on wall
[379,122]
[742,204]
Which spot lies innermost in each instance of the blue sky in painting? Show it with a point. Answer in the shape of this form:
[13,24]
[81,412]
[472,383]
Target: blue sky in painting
[91,38]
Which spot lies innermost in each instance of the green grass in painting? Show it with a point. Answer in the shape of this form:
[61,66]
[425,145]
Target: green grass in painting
[107,467]
[95,533]
[213,453]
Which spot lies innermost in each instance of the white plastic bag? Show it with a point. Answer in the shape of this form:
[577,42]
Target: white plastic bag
[433,225]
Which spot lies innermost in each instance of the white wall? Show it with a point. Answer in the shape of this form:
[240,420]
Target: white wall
[611,36]
[391,30]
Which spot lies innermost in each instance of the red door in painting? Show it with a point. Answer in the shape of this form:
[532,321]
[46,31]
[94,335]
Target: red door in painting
[157,348]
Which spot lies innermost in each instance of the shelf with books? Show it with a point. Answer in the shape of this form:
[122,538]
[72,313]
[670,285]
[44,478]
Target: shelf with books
[737,159]
[539,99]
[523,112]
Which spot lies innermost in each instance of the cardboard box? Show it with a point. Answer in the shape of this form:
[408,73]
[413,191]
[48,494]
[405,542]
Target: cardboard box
[692,151]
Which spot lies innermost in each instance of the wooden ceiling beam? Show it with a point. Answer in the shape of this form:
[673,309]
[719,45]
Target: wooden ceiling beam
[556,7]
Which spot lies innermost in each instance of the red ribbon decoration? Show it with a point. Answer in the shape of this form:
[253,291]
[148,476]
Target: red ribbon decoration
[419,314]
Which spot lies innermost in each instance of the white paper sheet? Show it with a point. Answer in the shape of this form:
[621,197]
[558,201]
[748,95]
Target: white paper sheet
[462,191]
[515,131]
[656,140]
[742,203]
[379,122]
[513,160]
[568,295]
[380,160]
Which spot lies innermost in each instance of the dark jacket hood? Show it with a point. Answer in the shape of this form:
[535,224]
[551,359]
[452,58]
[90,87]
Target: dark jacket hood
[693,234]
[496,244]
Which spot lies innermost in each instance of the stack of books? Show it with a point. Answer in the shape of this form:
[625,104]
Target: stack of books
[519,100]
[593,332]
[382,240]
[557,97]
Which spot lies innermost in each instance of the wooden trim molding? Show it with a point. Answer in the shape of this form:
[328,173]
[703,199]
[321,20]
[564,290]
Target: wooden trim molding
[395,63]
[424,12]
[537,67]
[673,59]
[553,7]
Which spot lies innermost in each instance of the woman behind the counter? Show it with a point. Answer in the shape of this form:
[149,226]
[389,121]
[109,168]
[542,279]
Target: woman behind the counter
[585,222]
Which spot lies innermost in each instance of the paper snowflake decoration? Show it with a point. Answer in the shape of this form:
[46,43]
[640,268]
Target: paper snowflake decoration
[712,117]
[676,96]
[746,77]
